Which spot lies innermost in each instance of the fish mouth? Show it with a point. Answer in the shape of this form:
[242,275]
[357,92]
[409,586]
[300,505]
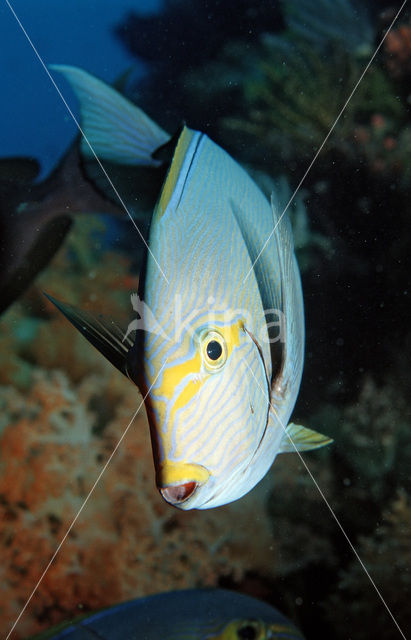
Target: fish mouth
[177,494]
[179,482]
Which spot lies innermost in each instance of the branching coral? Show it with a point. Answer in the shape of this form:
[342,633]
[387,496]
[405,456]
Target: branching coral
[358,474]
[56,433]
[321,21]
[373,439]
[294,94]
[127,541]
[387,556]
[398,52]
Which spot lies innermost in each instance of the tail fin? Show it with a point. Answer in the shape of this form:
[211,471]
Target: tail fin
[114,128]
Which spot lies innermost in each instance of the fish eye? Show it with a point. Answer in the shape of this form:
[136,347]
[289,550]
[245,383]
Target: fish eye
[247,632]
[214,350]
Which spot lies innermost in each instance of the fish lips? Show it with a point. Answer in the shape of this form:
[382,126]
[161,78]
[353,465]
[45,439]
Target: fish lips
[181,484]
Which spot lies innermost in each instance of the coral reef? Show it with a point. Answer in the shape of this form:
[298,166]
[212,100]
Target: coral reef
[367,464]
[387,555]
[127,542]
[286,95]
[398,52]
[322,21]
[57,430]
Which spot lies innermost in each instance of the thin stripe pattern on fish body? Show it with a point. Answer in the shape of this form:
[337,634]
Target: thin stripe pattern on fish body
[221,376]
[213,419]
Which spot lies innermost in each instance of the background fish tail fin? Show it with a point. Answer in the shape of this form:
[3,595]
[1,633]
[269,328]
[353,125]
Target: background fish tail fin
[117,130]
[26,247]
[33,224]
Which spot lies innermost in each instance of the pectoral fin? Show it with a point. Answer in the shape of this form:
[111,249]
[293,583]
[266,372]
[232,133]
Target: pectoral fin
[300,438]
[103,334]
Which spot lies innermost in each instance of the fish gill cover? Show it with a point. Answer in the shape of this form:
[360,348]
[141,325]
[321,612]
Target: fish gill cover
[268,97]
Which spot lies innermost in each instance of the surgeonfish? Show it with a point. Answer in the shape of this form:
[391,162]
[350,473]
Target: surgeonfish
[192,614]
[36,215]
[218,348]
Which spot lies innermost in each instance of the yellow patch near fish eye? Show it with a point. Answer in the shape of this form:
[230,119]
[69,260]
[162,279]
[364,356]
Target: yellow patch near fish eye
[173,376]
[187,394]
[216,345]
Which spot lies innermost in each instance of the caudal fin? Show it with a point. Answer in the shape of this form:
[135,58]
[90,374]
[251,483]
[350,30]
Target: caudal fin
[114,128]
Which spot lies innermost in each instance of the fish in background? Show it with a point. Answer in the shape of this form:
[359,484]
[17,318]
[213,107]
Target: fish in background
[192,614]
[219,347]
[35,217]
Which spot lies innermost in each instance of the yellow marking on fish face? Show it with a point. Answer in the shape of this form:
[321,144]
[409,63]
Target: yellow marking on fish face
[187,394]
[175,473]
[228,337]
[163,396]
[174,374]
[174,171]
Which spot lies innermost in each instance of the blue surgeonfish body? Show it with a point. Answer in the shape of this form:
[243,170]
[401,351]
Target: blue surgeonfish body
[220,357]
[192,614]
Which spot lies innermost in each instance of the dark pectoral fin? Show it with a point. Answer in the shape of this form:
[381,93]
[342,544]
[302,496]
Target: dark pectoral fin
[103,334]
